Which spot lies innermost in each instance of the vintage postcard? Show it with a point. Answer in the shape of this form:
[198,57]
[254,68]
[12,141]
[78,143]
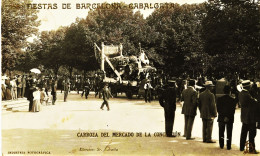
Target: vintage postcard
[130,77]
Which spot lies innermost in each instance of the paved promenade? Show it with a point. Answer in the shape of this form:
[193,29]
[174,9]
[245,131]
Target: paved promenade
[80,127]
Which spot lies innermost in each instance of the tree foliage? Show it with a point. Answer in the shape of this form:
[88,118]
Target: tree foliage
[231,34]
[207,38]
[179,36]
[18,23]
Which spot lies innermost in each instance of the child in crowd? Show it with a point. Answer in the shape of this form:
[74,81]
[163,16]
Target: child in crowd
[43,97]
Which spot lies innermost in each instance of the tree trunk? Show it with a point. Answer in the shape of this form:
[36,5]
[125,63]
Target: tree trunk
[70,70]
[56,69]
[85,74]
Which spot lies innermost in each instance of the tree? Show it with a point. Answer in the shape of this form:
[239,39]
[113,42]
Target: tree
[50,49]
[29,59]
[115,26]
[231,35]
[179,36]
[78,48]
[18,23]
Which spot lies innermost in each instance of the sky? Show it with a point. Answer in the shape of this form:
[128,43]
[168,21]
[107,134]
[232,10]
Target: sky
[52,19]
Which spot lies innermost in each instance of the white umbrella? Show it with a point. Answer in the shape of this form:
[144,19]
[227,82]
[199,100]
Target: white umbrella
[35,70]
[3,77]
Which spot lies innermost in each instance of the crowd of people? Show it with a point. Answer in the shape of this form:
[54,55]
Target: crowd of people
[38,91]
[13,87]
[200,94]
[211,106]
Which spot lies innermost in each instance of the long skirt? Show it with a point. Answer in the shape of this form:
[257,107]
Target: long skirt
[8,94]
[36,106]
[3,92]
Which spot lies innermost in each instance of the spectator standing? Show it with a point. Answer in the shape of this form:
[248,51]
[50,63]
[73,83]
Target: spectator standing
[36,107]
[189,108]
[8,89]
[147,88]
[19,86]
[208,111]
[66,91]
[170,107]
[43,96]
[54,91]
[30,95]
[14,88]
[248,117]
[3,87]
[23,85]
[226,106]
[86,89]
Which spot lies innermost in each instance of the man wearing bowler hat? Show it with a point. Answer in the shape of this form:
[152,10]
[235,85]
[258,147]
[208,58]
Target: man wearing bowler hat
[208,111]
[248,117]
[169,107]
[189,108]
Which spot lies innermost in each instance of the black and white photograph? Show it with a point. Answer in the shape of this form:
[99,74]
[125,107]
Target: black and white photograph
[130,77]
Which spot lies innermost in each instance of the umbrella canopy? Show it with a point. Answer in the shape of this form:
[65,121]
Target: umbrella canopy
[4,77]
[35,70]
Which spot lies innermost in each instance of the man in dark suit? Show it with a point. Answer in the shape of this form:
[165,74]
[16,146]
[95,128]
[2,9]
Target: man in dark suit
[258,105]
[30,94]
[66,90]
[226,106]
[248,117]
[169,107]
[208,111]
[54,91]
[106,95]
[23,85]
[189,108]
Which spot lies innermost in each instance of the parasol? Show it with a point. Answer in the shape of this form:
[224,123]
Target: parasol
[35,70]
[4,77]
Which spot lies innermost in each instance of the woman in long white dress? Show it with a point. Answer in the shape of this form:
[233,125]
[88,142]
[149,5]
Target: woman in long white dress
[36,100]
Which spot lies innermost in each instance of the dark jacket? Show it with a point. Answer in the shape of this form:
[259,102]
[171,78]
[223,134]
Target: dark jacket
[170,99]
[53,88]
[189,96]
[248,107]
[207,105]
[106,94]
[226,106]
[161,94]
[258,106]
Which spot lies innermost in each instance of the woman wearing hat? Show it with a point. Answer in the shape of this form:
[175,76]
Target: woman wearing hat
[8,89]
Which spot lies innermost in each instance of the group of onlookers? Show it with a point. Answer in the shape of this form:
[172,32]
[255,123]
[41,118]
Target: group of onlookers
[211,107]
[13,87]
[38,90]
[41,94]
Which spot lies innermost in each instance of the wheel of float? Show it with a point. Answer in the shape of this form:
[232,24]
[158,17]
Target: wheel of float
[114,94]
[129,94]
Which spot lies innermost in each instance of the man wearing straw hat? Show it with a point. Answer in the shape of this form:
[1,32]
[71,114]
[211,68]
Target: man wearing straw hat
[208,111]
[248,117]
